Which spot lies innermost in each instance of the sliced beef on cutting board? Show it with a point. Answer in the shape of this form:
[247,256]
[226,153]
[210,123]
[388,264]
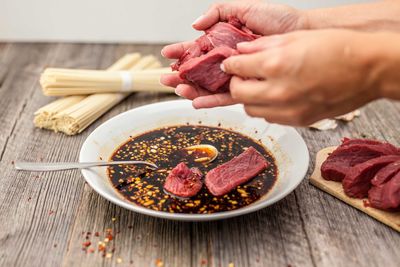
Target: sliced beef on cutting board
[386,196]
[237,171]
[195,69]
[357,181]
[386,173]
[221,35]
[184,182]
[350,154]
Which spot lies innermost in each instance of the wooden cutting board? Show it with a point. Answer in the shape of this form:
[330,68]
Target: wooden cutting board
[391,219]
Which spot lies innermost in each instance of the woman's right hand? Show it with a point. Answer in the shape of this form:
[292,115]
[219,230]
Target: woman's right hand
[260,17]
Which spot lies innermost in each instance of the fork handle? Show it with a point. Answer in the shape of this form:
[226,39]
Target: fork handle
[60,166]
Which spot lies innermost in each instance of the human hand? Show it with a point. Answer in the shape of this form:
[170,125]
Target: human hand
[301,77]
[182,88]
[259,16]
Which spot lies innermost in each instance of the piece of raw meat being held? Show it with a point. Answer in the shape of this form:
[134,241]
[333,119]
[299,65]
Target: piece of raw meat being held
[200,64]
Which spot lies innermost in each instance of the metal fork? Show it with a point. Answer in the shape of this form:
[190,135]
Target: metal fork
[60,166]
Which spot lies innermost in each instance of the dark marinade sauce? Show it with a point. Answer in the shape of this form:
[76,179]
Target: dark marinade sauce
[164,147]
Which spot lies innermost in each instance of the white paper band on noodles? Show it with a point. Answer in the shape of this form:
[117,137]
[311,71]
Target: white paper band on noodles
[126,78]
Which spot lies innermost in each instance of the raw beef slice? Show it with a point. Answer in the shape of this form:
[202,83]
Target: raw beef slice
[194,69]
[237,171]
[386,173]
[205,72]
[356,141]
[347,155]
[357,181]
[386,196]
[184,182]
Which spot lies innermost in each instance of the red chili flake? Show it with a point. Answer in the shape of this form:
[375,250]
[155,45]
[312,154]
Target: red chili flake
[366,203]
[51,212]
[109,236]
[91,250]
[96,234]
[130,226]
[88,233]
[203,262]
[83,233]
[29,198]
[101,247]
[159,263]
[112,249]
[86,244]
[37,177]
[12,162]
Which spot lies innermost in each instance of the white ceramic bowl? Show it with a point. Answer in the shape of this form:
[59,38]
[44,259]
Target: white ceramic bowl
[284,142]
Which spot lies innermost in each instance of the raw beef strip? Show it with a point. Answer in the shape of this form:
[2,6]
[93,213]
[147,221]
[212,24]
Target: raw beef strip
[229,34]
[222,37]
[194,70]
[200,47]
[237,171]
[348,141]
[386,196]
[390,147]
[184,182]
[357,181]
[345,156]
[386,173]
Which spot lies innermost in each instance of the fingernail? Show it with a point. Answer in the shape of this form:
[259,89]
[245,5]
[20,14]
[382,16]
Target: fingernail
[198,20]
[177,91]
[222,67]
[160,81]
[242,44]
[162,52]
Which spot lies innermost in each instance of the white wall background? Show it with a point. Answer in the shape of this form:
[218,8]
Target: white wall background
[111,20]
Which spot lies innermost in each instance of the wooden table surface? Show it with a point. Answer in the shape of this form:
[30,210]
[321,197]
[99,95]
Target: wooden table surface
[44,218]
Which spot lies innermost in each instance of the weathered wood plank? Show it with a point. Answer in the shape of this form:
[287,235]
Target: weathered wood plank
[339,234]
[308,228]
[37,211]
[4,49]
[271,237]
[148,239]
[256,240]
[20,66]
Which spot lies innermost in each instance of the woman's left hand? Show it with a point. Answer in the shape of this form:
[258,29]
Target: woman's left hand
[301,77]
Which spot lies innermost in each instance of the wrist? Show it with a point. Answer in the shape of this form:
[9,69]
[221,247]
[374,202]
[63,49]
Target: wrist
[313,19]
[384,61]
[303,21]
